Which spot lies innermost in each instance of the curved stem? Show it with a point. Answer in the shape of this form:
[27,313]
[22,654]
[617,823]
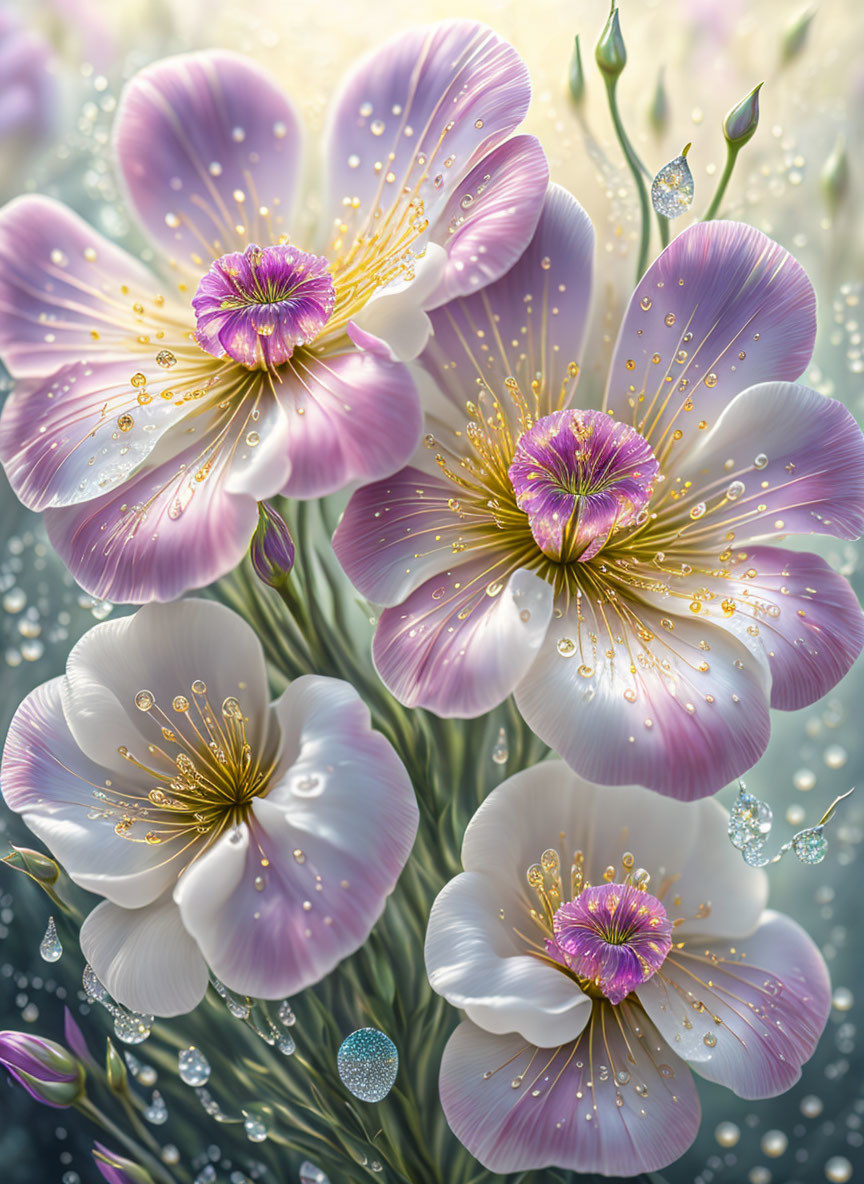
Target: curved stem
[153,1166]
[731,157]
[636,169]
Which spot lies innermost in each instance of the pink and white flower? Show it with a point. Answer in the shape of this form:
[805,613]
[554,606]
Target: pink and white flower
[602,943]
[153,411]
[259,839]
[609,568]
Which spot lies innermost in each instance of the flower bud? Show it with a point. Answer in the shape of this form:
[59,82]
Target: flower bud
[575,74]
[743,119]
[118,1170]
[658,111]
[834,176]
[795,35]
[610,54]
[48,1071]
[39,867]
[115,1070]
[271,549]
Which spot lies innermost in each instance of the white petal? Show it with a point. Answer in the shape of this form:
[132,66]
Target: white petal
[145,958]
[395,314]
[478,962]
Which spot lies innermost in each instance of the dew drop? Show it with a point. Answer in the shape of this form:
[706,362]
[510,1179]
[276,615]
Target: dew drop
[368,1062]
[50,948]
[193,1066]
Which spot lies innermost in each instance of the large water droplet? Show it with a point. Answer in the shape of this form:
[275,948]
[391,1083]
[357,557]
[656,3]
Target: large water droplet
[672,188]
[256,1123]
[810,845]
[286,1015]
[193,1066]
[501,752]
[131,1027]
[92,986]
[157,1111]
[368,1062]
[50,948]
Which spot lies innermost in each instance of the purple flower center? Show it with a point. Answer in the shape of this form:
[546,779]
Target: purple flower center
[579,476]
[615,935]
[256,307]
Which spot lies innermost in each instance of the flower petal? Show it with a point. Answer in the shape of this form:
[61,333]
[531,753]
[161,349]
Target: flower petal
[792,611]
[68,294]
[430,102]
[793,459]
[145,958]
[480,964]
[678,707]
[335,832]
[50,782]
[564,1109]
[530,323]
[393,322]
[457,645]
[721,309]
[209,148]
[353,417]
[491,216]
[186,517]
[81,432]
[765,1002]
[679,844]
[397,533]
[162,648]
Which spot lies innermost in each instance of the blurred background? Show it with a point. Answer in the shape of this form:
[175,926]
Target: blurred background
[63,64]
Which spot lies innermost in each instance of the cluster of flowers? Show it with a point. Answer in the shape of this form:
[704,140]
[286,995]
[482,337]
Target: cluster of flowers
[611,563]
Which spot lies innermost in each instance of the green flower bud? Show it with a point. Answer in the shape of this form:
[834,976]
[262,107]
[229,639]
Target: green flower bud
[272,548]
[47,1070]
[575,74]
[658,111]
[611,54]
[835,176]
[39,867]
[742,120]
[116,1169]
[115,1069]
[795,35]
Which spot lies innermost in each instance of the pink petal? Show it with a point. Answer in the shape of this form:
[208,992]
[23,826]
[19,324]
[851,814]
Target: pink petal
[336,830]
[770,993]
[205,142]
[431,102]
[144,957]
[563,1111]
[491,217]
[397,533]
[66,293]
[352,417]
[793,460]
[722,308]
[81,432]
[457,648]
[530,323]
[187,517]
[682,710]
[793,611]
[50,782]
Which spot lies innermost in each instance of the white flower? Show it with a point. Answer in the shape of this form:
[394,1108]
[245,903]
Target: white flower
[259,839]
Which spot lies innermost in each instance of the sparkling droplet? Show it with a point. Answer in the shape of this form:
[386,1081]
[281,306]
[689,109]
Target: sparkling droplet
[735,490]
[144,700]
[166,359]
[157,1111]
[50,949]
[131,1026]
[709,1039]
[672,188]
[368,1063]
[286,1015]
[810,845]
[760,461]
[256,1128]
[193,1066]
[92,987]
[754,855]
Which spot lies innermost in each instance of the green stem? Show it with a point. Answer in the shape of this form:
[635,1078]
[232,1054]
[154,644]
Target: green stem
[153,1166]
[636,168]
[731,157]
